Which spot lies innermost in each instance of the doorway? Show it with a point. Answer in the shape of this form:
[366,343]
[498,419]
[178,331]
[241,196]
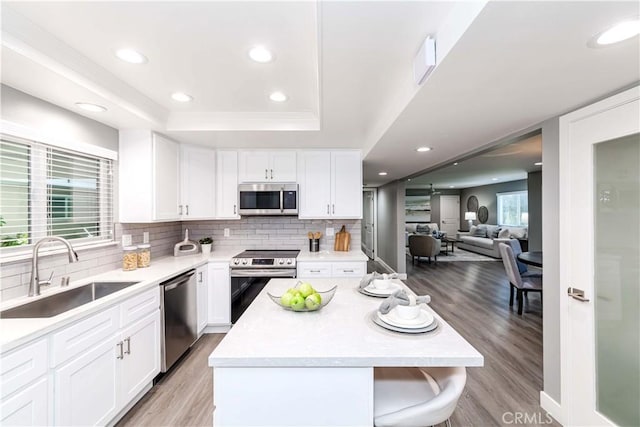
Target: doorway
[450,214]
[369,222]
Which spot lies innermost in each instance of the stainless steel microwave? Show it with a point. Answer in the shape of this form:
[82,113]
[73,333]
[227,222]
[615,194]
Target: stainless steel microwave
[268,199]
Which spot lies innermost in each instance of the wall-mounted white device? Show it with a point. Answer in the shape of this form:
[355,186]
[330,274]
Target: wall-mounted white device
[425,60]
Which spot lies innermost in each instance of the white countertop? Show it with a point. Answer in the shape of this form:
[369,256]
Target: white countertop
[340,334]
[15,332]
[329,256]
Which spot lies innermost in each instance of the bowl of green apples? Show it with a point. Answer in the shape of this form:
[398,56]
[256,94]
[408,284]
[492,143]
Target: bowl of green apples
[303,297]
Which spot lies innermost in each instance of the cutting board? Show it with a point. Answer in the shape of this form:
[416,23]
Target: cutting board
[343,240]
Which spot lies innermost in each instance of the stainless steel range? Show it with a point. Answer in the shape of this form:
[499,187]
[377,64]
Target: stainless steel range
[252,269]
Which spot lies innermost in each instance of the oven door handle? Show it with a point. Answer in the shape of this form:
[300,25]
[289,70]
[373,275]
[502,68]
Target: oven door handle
[281,198]
[264,272]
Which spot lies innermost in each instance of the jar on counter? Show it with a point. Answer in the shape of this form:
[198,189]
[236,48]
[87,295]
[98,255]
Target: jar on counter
[129,258]
[144,255]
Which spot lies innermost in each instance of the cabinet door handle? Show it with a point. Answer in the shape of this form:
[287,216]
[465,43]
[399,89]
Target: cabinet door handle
[187,207]
[348,271]
[334,208]
[271,173]
[314,271]
[200,276]
[180,210]
[234,209]
[266,176]
[328,209]
[121,356]
[128,341]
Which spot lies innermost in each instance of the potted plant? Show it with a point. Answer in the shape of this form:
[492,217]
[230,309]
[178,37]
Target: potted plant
[205,244]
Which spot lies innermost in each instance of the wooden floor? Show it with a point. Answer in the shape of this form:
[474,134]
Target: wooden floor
[471,296]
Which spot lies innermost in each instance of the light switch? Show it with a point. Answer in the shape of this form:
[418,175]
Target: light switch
[330,231]
[145,237]
[227,232]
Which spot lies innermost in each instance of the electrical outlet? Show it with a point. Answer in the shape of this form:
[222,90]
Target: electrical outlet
[145,237]
[126,240]
[330,232]
[227,232]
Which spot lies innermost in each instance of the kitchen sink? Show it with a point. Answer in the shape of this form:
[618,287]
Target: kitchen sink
[64,301]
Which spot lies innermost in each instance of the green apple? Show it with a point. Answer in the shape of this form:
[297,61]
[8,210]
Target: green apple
[285,299]
[313,301]
[297,302]
[306,289]
[293,291]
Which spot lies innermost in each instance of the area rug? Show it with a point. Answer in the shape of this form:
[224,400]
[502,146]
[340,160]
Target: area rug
[461,255]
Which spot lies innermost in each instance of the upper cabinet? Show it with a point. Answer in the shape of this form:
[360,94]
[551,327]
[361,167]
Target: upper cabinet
[227,185]
[197,184]
[330,184]
[149,177]
[267,166]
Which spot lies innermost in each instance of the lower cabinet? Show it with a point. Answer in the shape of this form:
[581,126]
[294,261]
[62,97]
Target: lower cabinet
[27,407]
[202,296]
[323,269]
[219,295]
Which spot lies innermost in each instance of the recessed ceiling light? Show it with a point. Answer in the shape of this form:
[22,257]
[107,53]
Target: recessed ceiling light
[181,97]
[260,54]
[619,32]
[423,149]
[408,179]
[452,186]
[278,97]
[538,163]
[131,56]
[494,179]
[455,164]
[94,108]
[382,173]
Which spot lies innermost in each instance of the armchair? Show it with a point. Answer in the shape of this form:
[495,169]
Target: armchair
[424,246]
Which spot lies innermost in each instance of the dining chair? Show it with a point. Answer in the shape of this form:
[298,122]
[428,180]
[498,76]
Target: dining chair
[522,267]
[421,245]
[416,397]
[517,282]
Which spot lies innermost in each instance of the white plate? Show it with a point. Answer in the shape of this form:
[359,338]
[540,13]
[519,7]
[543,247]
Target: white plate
[379,322]
[386,292]
[423,320]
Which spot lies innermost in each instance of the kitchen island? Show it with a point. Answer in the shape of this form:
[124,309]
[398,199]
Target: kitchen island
[281,368]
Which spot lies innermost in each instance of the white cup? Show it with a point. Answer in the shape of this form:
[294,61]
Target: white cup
[408,312]
[381,283]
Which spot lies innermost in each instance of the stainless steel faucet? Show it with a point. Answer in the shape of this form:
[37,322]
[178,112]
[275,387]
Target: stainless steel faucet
[34,283]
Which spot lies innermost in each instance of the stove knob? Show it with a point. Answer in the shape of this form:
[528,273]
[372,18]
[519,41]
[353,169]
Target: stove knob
[281,261]
[244,262]
[289,262]
[236,261]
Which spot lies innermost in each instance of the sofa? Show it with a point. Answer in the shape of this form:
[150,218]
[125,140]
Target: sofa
[418,228]
[485,239]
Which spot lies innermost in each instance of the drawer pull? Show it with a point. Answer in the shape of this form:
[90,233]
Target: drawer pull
[348,271]
[315,271]
[128,341]
[121,356]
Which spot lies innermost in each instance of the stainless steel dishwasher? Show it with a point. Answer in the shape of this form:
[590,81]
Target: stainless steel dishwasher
[179,321]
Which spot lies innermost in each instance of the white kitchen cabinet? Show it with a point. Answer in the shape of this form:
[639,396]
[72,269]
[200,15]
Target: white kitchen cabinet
[141,356]
[219,303]
[197,183]
[149,177]
[23,375]
[202,296]
[330,184]
[227,185]
[27,407]
[268,166]
[331,269]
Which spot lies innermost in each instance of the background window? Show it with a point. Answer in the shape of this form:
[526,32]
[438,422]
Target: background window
[513,208]
[48,191]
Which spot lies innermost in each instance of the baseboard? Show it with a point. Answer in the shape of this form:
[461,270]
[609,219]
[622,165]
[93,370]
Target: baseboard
[401,276]
[217,329]
[552,407]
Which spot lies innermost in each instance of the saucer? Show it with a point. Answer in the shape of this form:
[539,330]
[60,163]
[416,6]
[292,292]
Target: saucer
[423,320]
[382,292]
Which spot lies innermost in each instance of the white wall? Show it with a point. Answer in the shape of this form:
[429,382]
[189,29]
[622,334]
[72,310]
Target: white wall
[391,213]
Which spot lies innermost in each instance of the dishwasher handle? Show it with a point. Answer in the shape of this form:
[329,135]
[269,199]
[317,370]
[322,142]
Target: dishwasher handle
[178,281]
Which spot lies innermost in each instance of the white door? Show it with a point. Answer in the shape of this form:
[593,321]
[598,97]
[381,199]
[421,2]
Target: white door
[254,166]
[368,224]
[166,179]
[227,185]
[283,166]
[202,296]
[314,180]
[600,255]
[219,290]
[27,407]
[141,360]
[198,191]
[450,214]
[87,387]
[346,184]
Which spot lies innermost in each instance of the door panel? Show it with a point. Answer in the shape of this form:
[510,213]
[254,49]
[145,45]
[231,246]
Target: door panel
[315,184]
[166,180]
[141,361]
[346,184]
[227,185]
[449,214]
[368,223]
[283,166]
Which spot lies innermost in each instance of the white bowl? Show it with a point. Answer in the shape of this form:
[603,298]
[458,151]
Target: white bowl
[381,283]
[407,312]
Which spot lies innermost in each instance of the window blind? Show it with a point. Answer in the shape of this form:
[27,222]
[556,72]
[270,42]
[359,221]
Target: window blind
[49,191]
